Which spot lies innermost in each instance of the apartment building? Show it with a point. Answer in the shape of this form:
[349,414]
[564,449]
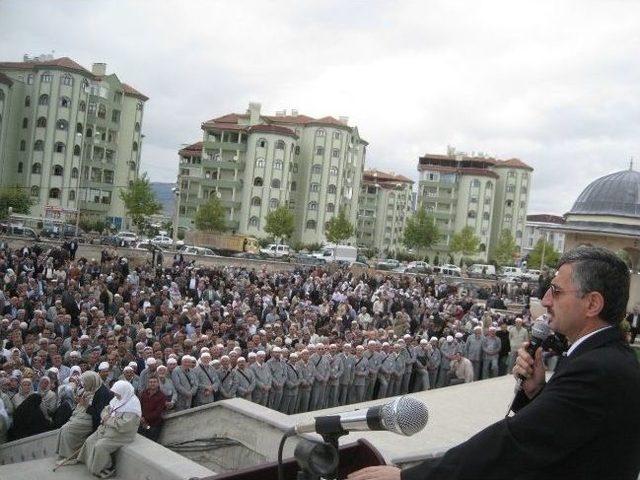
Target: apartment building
[384,204]
[73,137]
[254,163]
[542,226]
[484,193]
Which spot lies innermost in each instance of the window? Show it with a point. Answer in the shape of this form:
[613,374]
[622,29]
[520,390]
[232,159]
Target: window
[294,167]
[262,143]
[475,183]
[487,200]
[335,153]
[509,203]
[25,122]
[132,166]
[332,189]
[519,234]
[137,127]
[30,79]
[54,193]
[85,85]
[333,171]
[275,183]
[134,147]
[522,204]
[59,147]
[511,188]
[102,111]
[58,171]
[471,214]
[473,200]
[46,77]
[20,166]
[294,186]
[320,133]
[260,163]
[314,187]
[139,106]
[280,145]
[273,203]
[485,216]
[317,168]
[257,182]
[319,150]
[297,150]
[277,165]
[43,100]
[336,135]
[312,206]
[41,122]
[74,172]
[65,102]
[36,168]
[511,174]
[108,176]
[35,191]
[27,101]
[489,186]
[254,222]
[23,145]
[82,106]
[331,207]
[508,218]
[76,151]
[89,133]
[311,225]
[92,108]
[38,146]
[256,201]
[67,80]
[115,116]
[72,194]
[62,124]
[523,190]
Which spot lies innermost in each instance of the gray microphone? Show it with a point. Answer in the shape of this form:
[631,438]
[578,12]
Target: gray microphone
[404,415]
[539,333]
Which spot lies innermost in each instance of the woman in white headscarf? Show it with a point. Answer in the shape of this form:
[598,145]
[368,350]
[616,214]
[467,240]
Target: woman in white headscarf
[49,398]
[120,421]
[5,423]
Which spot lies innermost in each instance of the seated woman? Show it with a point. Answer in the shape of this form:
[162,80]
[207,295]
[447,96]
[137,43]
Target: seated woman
[86,416]
[120,421]
[65,407]
[29,419]
[49,398]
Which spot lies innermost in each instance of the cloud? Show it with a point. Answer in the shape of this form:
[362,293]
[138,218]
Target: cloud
[552,83]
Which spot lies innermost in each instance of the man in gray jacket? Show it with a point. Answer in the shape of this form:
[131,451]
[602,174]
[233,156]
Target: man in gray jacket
[208,381]
[322,367]
[335,374]
[244,378]
[278,377]
[435,358]
[291,385]
[473,351]
[374,358]
[307,377]
[228,385]
[360,373]
[186,382]
[387,367]
[395,386]
[263,379]
[409,360]
[346,379]
[491,345]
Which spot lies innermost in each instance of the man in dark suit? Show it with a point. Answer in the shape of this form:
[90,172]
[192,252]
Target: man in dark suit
[584,422]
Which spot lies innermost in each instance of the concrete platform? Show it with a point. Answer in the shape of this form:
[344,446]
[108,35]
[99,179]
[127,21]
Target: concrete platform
[42,469]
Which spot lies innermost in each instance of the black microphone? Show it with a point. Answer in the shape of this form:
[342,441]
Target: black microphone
[404,415]
[539,333]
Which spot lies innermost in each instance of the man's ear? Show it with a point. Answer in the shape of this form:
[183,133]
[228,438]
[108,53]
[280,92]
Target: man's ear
[595,304]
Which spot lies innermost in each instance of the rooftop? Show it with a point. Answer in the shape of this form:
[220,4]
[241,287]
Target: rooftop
[616,194]
[545,218]
[381,177]
[191,150]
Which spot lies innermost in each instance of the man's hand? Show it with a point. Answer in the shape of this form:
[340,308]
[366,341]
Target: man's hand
[531,369]
[384,472]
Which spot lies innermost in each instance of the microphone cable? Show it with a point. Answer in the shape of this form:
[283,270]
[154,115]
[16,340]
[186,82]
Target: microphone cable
[289,433]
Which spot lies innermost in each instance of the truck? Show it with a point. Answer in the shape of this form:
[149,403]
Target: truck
[338,253]
[222,243]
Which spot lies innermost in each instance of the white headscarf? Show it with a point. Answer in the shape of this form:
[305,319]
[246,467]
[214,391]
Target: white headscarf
[127,403]
[5,415]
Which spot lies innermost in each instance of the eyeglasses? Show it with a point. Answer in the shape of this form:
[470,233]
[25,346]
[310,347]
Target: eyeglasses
[557,291]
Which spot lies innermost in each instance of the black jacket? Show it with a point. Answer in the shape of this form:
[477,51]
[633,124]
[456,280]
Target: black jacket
[584,424]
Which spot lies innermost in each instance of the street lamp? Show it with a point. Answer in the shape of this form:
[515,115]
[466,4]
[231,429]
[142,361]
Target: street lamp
[176,219]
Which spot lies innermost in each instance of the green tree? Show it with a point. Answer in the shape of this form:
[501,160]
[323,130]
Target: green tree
[17,198]
[551,256]
[211,217]
[465,241]
[421,231]
[280,223]
[339,228]
[506,248]
[140,201]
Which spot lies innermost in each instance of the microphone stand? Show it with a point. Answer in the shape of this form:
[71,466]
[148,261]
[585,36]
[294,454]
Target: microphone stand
[330,429]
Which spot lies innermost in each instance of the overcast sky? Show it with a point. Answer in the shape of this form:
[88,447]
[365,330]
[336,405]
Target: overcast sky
[552,83]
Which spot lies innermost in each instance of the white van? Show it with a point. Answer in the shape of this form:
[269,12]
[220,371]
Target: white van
[338,253]
[480,270]
[511,272]
[276,250]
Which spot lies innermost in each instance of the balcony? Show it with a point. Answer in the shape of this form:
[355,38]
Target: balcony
[94,207]
[441,214]
[240,147]
[223,165]
[213,182]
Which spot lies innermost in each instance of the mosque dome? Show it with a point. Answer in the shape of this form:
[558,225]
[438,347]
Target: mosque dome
[615,194]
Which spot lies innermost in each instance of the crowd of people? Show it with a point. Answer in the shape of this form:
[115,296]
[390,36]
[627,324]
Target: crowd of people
[185,335]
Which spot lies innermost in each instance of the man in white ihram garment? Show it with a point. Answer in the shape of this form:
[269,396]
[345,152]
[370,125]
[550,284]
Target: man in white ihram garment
[120,421]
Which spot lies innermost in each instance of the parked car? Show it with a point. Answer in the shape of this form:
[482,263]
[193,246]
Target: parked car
[480,270]
[388,264]
[276,250]
[129,237]
[147,245]
[418,267]
[249,255]
[162,240]
[192,250]
[448,270]
[531,275]
[308,259]
[19,231]
[62,231]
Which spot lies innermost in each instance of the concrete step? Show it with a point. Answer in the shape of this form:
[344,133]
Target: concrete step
[41,469]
